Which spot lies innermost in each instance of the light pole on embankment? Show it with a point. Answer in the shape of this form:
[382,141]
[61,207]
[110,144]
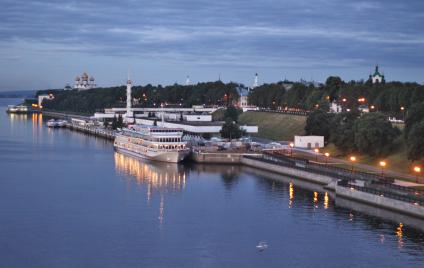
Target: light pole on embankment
[417,171]
[382,165]
[352,159]
[316,150]
[327,155]
[291,149]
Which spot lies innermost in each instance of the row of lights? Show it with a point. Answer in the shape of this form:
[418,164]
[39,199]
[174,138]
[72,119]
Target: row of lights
[383,164]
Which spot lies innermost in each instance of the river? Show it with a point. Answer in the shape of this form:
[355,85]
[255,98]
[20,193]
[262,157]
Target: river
[68,200]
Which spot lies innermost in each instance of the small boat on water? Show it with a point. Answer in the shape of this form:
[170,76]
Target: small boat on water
[18,109]
[56,123]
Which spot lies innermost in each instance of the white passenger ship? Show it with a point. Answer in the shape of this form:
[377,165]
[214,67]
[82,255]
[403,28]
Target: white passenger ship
[152,142]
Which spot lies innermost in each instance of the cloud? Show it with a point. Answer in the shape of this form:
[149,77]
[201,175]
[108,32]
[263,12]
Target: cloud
[238,34]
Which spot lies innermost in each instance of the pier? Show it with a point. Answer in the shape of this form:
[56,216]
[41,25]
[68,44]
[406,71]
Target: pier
[93,130]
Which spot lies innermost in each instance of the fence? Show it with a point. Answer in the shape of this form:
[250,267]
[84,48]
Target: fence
[417,200]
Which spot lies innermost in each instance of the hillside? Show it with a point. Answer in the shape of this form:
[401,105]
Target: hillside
[275,126]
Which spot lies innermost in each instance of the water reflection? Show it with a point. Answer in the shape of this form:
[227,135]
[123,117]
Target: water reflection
[291,194]
[157,176]
[399,234]
[326,200]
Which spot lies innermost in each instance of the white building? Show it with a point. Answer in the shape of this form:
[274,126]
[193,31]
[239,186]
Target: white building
[308,142]
[41,98]
[84,82]
[335,107]
[377,77]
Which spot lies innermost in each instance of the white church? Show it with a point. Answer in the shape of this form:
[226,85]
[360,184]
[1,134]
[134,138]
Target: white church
[377,77]
[84,82]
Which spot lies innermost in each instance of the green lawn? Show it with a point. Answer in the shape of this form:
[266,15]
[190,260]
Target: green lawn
[396,161]
[275,126]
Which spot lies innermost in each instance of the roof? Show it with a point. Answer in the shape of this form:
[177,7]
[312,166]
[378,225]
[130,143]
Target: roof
[376,72]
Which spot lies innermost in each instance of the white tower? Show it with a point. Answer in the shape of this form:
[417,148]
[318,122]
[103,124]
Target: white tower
[187,83]
[129,116]
[256,82]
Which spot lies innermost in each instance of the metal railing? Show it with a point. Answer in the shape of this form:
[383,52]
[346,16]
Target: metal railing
[416,200]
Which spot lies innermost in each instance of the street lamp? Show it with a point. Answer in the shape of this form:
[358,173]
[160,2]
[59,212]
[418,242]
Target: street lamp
[316,150]
[327,155]
[291,149]
[403,113]
[382,165]
[417,171]
[353,159]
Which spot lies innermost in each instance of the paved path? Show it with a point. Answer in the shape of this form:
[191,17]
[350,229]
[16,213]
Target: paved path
[373,169]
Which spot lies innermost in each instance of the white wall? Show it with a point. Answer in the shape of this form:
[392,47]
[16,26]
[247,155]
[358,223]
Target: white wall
[198,118]
[309,141]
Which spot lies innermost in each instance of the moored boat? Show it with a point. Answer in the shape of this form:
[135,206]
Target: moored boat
[152,142]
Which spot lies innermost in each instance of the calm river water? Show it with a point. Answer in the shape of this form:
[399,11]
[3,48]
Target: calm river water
[68,200]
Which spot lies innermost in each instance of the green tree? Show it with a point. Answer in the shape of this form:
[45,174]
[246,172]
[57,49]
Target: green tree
[414,116]
[114,123]
[318,123]
[374,134]
[232,113]
[342,131]
[231,130]
[415,142]
[120,122]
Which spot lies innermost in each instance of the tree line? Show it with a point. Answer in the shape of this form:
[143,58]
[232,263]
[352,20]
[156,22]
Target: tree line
[384,97]
[90,101]
[371,133]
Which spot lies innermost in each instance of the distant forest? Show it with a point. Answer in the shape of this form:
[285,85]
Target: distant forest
[90,101]
[386,97]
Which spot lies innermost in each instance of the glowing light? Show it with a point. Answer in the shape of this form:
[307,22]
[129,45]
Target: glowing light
[383,163]
[291,144]
[316,150]
[291,194]
[417,169]
[327,154]
[326,200]
[315,198]
[399,234]
[402,108]
[353,158]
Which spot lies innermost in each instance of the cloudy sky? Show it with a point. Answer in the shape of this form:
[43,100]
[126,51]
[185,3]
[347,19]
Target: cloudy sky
[45,44]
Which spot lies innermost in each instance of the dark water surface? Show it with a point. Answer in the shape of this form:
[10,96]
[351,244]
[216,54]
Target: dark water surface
[68,200]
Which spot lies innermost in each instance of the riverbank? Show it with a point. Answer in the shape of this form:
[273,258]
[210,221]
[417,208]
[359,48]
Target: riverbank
[397,199]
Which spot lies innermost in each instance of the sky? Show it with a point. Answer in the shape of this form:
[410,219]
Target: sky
[46,44]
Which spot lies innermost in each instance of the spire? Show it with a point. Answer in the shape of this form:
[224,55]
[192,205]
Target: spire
[187,83]
[129,80]
[256,81]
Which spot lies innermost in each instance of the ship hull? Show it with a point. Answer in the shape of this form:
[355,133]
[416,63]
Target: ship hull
[170,157]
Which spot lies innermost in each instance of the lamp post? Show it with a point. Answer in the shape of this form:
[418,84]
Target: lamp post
[382,165]
[316,150]
[417,171]
[327,155]
[403,113]
[353,159]
[291,149]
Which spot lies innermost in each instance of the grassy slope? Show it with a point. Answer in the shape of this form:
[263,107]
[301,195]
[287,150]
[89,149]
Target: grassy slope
[396,161]
[275,126]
